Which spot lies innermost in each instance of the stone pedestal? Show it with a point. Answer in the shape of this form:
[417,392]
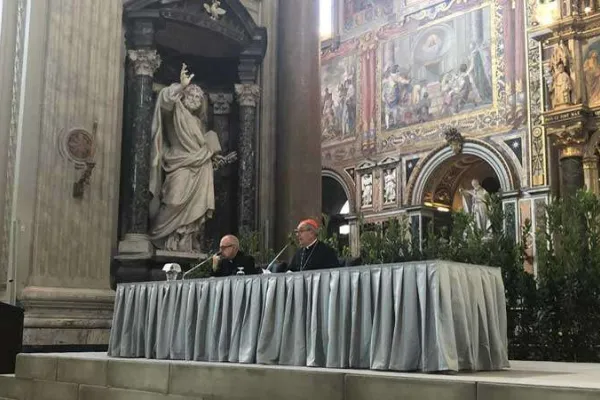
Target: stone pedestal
[298,137]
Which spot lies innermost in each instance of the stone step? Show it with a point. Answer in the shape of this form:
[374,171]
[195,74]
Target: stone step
[94,376]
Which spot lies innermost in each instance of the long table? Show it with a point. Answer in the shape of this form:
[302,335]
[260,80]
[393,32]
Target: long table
[419,316]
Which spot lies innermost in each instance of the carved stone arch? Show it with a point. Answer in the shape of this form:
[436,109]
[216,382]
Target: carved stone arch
[346,184]
[508,180]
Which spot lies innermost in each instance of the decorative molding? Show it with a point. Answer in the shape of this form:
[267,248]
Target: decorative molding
[454,139]
[365,166]
[416,185]
[389,161]
[77,145]
[145,62]
[248,94]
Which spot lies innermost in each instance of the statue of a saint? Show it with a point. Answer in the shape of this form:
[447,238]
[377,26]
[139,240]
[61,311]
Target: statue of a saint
[561,86]
[182,161]
[477,205]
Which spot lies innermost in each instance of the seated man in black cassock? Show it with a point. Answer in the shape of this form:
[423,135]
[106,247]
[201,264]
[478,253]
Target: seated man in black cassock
[313,254]
[232,259]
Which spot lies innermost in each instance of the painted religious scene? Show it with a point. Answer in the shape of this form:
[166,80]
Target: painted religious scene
[438,71]
[591,71]
[338,99]
[360,12]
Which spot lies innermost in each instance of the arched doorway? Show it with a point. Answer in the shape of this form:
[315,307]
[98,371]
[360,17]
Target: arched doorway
[442,189]
[336,208]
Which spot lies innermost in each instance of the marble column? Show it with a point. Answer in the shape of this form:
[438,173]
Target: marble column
[248,95]
[298,137]
[223,220]
[571,175]
[570,142]
[590,174]
[145,62]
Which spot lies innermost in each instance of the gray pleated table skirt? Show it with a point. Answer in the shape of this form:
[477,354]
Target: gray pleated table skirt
[419,316]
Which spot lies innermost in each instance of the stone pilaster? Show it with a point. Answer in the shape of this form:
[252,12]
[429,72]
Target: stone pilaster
[248,96]
[223,220]
[144,62]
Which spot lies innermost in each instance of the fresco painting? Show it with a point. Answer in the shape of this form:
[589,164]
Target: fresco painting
[360,12]
[591,71]
[438,71]
[339,98]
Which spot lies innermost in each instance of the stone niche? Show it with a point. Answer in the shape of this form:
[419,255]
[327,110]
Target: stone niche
[223,47]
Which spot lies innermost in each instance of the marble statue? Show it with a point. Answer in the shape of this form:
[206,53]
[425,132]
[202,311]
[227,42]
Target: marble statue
[183,157]
[389,186]
[367,190]
[477,204]
[562,85]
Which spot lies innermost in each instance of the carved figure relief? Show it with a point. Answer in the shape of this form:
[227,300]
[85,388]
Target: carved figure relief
[390,188]
[366,189]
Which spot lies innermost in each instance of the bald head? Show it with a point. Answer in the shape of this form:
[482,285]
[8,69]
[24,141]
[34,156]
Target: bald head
[229,246]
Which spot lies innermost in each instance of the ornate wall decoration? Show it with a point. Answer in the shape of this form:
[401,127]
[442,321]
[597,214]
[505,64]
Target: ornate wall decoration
[77,146]
[427,69]
[454,139]
[357,13]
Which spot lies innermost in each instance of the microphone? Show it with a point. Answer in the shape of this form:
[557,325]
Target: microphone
[277,256]
[218,253]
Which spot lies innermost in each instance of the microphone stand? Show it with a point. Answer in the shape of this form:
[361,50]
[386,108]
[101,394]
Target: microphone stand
[199,265]
[277,256]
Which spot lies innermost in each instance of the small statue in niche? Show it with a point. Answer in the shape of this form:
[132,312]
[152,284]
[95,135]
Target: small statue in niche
[183,157]
[367,190]
[389,186]
[561,86]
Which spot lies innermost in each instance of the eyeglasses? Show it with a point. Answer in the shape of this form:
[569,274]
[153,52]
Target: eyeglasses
[225,247]
[298,231]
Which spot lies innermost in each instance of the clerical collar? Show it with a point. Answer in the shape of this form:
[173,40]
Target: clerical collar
[311,245]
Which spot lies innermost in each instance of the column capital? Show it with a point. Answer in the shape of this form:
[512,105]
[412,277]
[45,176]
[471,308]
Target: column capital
[569,139]
[145,62]
[221,103]
[248,94]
